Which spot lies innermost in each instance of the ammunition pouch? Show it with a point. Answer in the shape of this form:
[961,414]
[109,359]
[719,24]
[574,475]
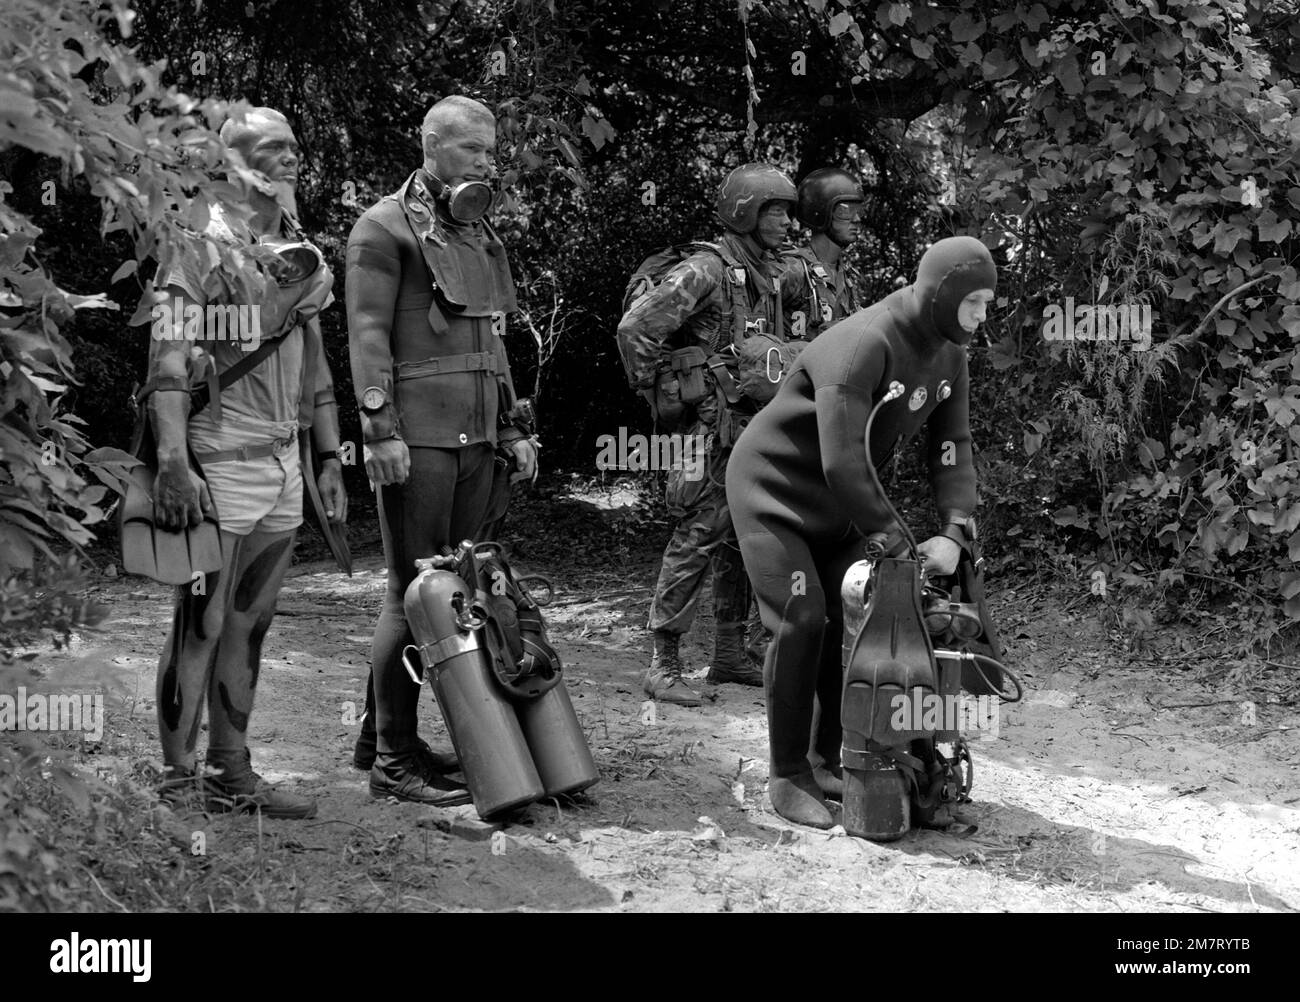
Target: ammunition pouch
[688,365]
[665,399]
[731,422]
[680,383]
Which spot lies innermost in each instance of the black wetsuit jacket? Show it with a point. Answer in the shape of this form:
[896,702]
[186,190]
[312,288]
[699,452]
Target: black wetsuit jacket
[802,460]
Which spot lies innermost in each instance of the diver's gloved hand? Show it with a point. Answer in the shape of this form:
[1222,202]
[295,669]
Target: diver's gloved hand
[941,555]
[181,498]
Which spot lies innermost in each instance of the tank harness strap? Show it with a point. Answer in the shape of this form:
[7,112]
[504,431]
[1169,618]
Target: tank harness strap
[448,647]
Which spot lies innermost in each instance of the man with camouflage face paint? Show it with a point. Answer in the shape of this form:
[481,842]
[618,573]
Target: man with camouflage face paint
[245,440]
[817,281]
[715,299]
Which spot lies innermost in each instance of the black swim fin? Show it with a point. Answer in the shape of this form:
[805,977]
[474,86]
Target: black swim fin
[172,558]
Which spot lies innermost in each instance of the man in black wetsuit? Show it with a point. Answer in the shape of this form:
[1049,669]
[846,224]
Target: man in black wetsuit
[803,503]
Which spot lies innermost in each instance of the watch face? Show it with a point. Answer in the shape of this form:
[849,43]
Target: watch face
[373,398]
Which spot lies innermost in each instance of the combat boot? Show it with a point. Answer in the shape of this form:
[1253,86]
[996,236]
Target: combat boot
[663,680]
[182,789]
[236,787]
[406,776]
[730,663]
[440,760]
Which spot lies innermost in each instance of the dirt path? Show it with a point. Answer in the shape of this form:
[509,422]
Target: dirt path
[1097,794]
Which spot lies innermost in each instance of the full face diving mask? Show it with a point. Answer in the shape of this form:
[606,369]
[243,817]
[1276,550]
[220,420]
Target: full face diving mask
[303,286]
[467,202]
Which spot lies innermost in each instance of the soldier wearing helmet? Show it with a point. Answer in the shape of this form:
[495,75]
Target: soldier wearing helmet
[715,300]
[818,283]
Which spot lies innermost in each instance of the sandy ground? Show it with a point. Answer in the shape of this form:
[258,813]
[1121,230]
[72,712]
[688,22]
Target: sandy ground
[1110,788]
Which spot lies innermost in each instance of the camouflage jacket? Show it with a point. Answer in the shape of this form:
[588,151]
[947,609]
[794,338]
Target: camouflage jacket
[692,305]
[814,296]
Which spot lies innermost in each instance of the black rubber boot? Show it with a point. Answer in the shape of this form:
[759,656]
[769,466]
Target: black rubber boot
[799,799]
[729,661]
[827,732]
[791,786]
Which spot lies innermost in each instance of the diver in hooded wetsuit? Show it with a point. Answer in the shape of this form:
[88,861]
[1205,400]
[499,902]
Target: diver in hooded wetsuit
[803,502]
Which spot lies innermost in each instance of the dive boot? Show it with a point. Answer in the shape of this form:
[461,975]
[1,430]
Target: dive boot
[799,799]
[830,780]
[663,680]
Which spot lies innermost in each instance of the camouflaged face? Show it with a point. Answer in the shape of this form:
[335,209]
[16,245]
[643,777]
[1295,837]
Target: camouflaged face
[746,189]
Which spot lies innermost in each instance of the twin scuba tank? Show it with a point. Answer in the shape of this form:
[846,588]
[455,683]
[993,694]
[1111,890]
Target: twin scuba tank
[481,644]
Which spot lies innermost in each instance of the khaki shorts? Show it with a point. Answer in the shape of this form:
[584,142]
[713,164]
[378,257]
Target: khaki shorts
[262,494]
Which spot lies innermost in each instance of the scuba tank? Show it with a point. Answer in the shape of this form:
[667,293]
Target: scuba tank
[557,743]
[447,625]
[529,671]
[497,680]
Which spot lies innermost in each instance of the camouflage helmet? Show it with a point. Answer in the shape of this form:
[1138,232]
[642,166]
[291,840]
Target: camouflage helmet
[821,191]
[746,190]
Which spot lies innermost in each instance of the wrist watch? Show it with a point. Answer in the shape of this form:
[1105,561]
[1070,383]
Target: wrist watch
[373,398]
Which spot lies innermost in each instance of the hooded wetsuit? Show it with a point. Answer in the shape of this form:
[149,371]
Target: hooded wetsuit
[799,490]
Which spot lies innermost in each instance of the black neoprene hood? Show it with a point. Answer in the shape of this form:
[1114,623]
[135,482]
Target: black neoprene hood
[949,272]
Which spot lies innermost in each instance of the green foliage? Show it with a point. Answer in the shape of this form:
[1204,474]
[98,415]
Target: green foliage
[1152,161]
[1120,153]
[82,105]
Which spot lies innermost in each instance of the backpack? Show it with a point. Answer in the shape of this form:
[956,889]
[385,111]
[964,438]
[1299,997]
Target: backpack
[647,277]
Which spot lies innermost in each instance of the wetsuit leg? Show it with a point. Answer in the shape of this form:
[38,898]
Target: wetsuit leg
[827,734]
[792,600]
[442,502]
[189,655]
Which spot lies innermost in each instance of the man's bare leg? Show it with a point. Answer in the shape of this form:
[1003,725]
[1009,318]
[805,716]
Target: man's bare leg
[259,571]
[186,666]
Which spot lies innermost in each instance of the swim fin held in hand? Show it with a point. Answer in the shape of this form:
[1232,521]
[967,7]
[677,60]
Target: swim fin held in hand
[169,557]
